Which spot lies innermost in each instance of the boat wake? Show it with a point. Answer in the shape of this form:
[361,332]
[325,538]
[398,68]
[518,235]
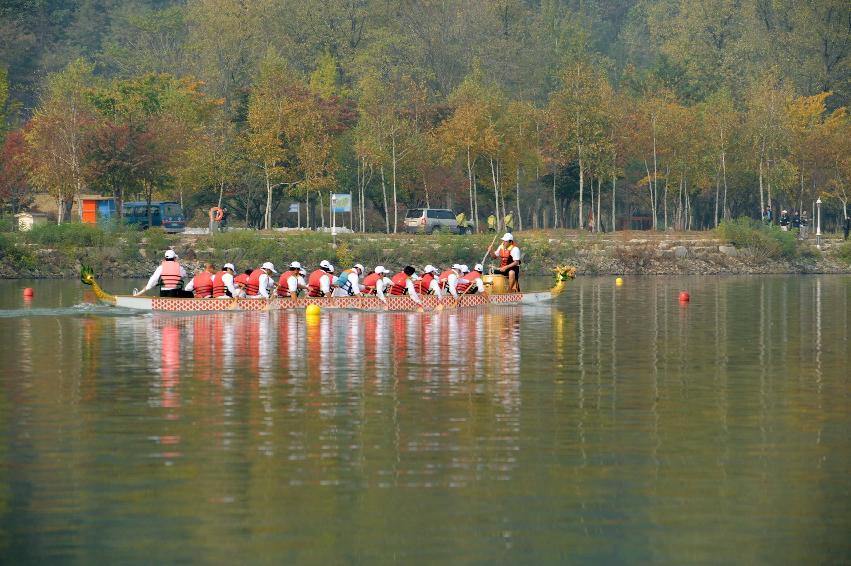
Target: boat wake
[81,309]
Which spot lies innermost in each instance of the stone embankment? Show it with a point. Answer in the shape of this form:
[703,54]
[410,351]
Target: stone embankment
[690,253]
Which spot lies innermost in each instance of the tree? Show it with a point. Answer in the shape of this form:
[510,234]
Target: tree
[15,191]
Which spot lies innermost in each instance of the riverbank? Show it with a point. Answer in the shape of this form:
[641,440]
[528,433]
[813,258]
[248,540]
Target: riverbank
[58,252]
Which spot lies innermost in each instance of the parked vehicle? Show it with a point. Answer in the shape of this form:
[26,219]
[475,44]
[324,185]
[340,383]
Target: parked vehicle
[166,214]
[431,220]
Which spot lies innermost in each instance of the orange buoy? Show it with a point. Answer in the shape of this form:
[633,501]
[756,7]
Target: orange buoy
[684,297]
[28,292]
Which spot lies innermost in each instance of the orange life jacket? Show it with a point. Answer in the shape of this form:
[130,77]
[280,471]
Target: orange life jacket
[283,283]
[423,284]
[399,286]
[505,255]
[203,288]
[170,275]
[443,280]
[219,287]
[370,281]
[314,283]
[252,285]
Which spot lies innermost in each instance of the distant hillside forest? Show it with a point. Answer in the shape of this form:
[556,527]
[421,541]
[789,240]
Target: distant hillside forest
[570,113]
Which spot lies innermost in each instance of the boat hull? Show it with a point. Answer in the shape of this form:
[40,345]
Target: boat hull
[362,303]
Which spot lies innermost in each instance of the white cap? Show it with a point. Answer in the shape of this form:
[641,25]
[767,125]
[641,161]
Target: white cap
[302,271]
[330,268]
[465,269]
[429,269]
[479,267]
[295,265]
[229,266]
[457,266]
[507,237]
[360,267]
[170,254]
[325,263]
[380,269]
[268,265]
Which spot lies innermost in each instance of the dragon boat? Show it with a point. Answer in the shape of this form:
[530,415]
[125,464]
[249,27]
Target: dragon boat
[496,293]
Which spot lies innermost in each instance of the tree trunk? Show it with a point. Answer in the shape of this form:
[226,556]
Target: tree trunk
[476,198]
[581,189]
[425,186]
[267,216]
[470,179]
[614,200]
[395,202]
[495,193]
[519,217]
[321,207]
[665,198]
[384,195]
[717,195]
[221,192]
[761,199]
[555,200]
[599,223]
[650,194]
[307,210]
[655,189]
[724,175]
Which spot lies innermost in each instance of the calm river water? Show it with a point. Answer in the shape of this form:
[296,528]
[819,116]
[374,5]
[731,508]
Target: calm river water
[613,425]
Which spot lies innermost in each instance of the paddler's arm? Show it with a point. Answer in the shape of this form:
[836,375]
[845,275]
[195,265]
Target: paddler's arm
[152,282]
[492,253]
[452,282]
[435,287]
[325,285]
[412,292]
[191,286]
[292,286]
[263,289]
[227,279]
[355,283]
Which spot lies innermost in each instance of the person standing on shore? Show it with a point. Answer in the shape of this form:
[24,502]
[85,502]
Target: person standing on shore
[767,215]
[846,227]
[784,220]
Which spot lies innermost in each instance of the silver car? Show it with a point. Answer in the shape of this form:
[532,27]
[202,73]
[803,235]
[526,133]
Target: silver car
[431,220]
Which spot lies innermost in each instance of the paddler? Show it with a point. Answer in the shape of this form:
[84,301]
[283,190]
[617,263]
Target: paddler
[509,256]
[202,284]
[241,280]
[403,284]
[170,276]
[319,282]
[348,282]
[260,281]
[471,279]
[291,281]
[448,280]
[377,282]
[428,283]
[223,283]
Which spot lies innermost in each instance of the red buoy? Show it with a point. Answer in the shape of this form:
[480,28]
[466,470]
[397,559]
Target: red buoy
[684,297]
[28,292]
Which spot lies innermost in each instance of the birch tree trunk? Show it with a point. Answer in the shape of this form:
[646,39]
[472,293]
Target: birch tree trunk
[724,175]
[495,193]
[555,200]
[614,200]
[655,188]
[470,179]
[717,195]
[384,195]
[599,223]
[267,216]
[761,199]
[395,201]
[581,188]
[665,197]
[519,217]
[221,192]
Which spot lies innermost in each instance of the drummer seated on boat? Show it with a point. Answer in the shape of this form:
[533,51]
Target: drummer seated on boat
[428,284]
[202,284]
[509,256]
[223,283]
[170,276]
[291,281]
[448,280]
[348,282]
[403,284]
[260,281]
[377,282]
[320,281]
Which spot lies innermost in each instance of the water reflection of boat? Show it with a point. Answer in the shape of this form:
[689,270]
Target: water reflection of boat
[396,303]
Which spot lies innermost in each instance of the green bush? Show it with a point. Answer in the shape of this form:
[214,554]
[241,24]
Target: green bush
[8,224]
[66,235]
[763,241]
[16,255]
[844,252]
[156,240]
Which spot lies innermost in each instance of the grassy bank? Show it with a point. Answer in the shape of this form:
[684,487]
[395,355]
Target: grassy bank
[737,247]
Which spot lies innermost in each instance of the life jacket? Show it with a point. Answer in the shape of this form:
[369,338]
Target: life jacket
[170,277]
[443,280]
[344,283]
[283,283]
[505,255]
[219,287]
[203,285]
[252,285]
[314,283]
[423,285]
[471,278]
[399,286]
[371,281]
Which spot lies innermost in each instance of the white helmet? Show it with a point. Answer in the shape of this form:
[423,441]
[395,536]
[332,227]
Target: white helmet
[170,254]
[479,267]
[465,269]
[295,265]
[359,267]
[229,266]
[429,269]
[507,237]
[268,265]
[381,270]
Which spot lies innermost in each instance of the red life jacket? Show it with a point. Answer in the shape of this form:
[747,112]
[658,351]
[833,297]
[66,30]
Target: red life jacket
[314,283]
[471,278]
[252,285]
[443,280]
[283,283]
[219,287]
[241,279]
[370,282]
[505,255]
[203,285]
[170,276]
[399,286]
[423,284]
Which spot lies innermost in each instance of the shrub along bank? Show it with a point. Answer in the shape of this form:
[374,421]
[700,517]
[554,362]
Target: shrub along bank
[736,247]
